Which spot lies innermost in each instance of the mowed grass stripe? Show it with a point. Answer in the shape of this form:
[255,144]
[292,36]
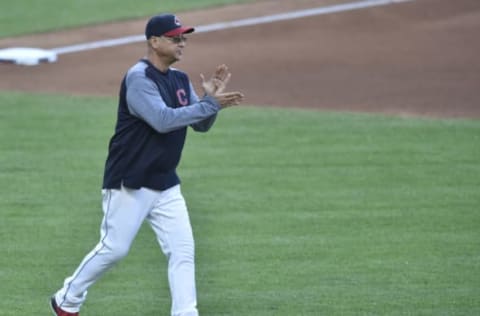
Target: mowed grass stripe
[69,14]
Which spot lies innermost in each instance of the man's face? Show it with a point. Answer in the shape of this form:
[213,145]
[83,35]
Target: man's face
[169,47]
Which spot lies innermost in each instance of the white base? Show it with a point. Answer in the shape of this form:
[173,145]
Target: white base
[27,56]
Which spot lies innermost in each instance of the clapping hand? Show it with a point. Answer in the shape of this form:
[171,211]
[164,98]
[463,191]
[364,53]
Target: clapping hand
[216,85]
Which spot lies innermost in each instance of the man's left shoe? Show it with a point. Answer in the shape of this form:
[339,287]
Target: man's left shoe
[57,311]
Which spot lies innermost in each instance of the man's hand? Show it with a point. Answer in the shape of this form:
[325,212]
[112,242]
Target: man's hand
[227,99]
[217,84]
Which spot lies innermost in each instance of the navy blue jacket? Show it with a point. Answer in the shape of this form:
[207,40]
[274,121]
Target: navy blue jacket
[154,111]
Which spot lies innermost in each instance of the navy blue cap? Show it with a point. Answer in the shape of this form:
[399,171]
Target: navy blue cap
[165,25]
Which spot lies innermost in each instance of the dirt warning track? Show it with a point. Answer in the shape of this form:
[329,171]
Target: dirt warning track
[409,58]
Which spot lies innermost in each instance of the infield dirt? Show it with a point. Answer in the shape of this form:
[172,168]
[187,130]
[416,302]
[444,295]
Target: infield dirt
[412,58]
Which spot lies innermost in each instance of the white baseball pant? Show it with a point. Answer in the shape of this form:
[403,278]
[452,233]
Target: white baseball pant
[124,212]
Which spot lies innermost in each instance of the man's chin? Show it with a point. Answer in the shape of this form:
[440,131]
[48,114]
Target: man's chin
[175,59]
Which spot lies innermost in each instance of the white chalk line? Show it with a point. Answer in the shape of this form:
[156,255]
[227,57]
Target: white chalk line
[234,24]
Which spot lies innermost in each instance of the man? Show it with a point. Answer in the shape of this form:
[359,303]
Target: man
[157,103]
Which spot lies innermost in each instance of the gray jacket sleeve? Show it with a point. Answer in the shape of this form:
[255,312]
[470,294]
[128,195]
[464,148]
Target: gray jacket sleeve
[206,124]
[145,102]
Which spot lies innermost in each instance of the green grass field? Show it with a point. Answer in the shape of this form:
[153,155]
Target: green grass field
[27,16]
[295,212]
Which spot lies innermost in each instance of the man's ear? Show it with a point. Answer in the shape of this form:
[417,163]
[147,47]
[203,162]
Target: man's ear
[153,41]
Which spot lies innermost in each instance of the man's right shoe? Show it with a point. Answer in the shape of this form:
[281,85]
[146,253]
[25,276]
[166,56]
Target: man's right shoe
[57,311]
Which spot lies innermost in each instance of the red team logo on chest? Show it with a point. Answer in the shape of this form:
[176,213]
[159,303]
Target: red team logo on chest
[182,97]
